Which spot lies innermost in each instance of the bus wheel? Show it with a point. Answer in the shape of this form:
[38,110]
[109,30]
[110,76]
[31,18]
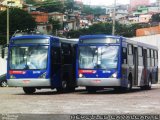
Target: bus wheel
[91,89]
[149,86]
[63,87]
[129,84]
[3,83]
[118,89]
[71,89]
[29,90]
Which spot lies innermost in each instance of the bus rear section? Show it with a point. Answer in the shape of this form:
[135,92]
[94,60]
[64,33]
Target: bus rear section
[117,62]
[98,62]
[35,62]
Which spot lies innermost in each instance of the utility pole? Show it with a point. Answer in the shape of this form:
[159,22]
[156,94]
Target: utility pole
[7,25]
[113,18]
[8,2]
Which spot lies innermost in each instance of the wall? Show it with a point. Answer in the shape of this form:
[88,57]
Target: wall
[3,62]
[148,31]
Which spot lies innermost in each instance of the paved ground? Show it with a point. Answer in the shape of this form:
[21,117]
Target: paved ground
[13,100]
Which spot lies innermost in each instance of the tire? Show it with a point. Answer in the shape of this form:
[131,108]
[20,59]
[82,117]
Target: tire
[147,87]
[129,85]
[91,89]
[71,89]
[3,83]
[63,87]
[118,89]
[29,90]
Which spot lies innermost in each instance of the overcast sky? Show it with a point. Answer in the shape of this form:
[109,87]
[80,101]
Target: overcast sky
[107,2]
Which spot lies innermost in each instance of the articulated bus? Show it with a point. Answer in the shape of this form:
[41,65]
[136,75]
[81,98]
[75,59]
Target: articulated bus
[117,62]
[41,61]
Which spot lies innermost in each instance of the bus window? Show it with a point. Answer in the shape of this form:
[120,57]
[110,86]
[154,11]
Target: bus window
[152,58]
[148,58]
[130,55]
[156,58]
[140,56]
[124,55]
[56,55]
[66,53]
[130,49]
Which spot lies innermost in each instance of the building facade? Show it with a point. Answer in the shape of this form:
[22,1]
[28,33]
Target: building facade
[135,3]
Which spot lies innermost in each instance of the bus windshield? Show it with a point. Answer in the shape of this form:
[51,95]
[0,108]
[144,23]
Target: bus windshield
[28,57]
[98,57]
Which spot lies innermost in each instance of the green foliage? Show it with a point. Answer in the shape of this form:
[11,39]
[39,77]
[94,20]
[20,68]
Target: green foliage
[30,2]
[55,24]
[69,5]
[51,6]
[156,17]
[19,20]
[106,28]
[96,11]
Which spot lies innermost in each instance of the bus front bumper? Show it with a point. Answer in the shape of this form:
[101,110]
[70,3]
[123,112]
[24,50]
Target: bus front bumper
[28,82]
[110,82]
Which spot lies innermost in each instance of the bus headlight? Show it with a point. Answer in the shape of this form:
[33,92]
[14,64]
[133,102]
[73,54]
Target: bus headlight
[80,75]
[114,75]
[43,75]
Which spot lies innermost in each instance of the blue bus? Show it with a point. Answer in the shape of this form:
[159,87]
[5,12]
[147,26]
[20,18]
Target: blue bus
[41,61]
[114,61]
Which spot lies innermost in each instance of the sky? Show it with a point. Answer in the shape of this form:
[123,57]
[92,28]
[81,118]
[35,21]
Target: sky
[107,2]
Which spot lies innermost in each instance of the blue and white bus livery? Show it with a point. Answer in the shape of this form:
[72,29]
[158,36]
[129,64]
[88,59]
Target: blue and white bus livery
[41,61]
[113,61]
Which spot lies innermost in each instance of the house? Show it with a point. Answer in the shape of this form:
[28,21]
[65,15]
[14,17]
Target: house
[13,3]
[2,7]
[42,22]
[140,10]
[133,19]
[145,18]
[58,16]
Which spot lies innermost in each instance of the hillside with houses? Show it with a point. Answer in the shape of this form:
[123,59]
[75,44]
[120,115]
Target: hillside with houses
[74,15]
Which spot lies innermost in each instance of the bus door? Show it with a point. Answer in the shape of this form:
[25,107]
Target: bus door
[55,66]
[67,64]
[145,66]
[135,65]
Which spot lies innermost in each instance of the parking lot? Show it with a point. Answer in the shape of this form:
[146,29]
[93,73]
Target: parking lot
[13,100]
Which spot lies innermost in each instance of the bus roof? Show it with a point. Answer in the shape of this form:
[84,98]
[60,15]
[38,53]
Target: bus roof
[128,40]
[31,36]
[96,36]
[35,36]
[72,41]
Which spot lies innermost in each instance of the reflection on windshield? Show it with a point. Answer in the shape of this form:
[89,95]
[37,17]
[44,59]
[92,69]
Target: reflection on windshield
[32,57]
[98,57]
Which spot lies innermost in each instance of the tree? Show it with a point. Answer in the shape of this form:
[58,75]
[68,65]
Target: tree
[19,20]
[69,5]
[51,6]
[156,17]
[95,11]
[30,2]
[106,28]
[55,24]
